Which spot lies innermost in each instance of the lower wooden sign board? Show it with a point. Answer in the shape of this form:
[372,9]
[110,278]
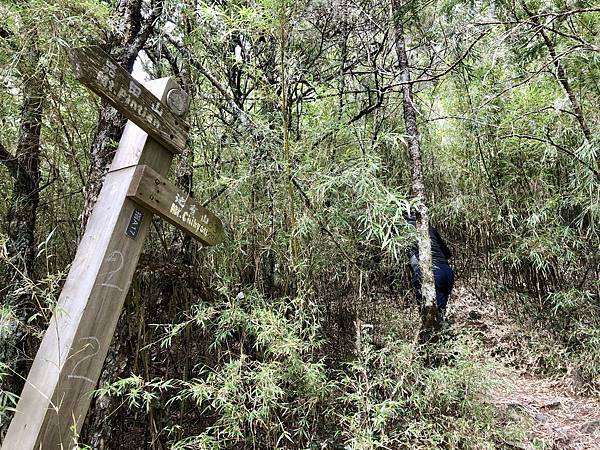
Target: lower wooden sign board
[154,192]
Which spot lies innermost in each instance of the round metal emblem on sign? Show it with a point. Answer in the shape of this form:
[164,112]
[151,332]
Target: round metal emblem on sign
[177,100]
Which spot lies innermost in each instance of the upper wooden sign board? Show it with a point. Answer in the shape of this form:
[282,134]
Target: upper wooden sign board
[152,191]
[99,72]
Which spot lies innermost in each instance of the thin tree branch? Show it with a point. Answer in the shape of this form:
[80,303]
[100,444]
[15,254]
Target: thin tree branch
[147,27]
[214,196]
[200,68]
[541,15]
[326,230]
[452,66]
[369,109]
[556,146]
[531,76]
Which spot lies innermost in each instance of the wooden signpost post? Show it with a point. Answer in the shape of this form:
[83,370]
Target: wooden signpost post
[56,396]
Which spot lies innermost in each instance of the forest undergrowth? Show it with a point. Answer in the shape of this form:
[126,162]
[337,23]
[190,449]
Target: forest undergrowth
[272,376]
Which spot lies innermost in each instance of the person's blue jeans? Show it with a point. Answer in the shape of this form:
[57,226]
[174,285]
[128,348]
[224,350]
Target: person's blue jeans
[444,282]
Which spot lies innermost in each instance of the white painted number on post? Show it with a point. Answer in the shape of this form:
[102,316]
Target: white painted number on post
[95,345]
[117,257]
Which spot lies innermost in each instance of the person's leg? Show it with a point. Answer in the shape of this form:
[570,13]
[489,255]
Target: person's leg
[450,279]
[441,298]
[449,285]
[444,281]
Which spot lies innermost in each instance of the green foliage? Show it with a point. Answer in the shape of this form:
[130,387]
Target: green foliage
[372,212]
[8,400]
[268,384]
[265,384]
[392,399]
[252,343]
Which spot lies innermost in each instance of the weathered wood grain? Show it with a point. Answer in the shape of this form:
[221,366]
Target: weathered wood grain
[152,191]
[56,396]
[99,72]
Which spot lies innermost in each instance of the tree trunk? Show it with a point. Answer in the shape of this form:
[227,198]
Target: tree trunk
[429,313]
[24,168]
[124,42]
[25,196]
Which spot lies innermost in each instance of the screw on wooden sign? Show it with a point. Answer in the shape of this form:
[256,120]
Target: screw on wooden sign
[55,399]
[178,102]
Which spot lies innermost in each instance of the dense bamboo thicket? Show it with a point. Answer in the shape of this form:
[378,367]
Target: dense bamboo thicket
[301,329]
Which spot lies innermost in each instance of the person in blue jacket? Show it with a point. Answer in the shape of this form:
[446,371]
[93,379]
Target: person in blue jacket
[442,272]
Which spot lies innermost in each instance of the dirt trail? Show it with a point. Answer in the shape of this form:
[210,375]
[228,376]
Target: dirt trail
[554,416]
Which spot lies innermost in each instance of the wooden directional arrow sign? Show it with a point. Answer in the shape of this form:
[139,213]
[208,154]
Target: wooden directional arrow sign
[155,193]
[54,402]
[99,72]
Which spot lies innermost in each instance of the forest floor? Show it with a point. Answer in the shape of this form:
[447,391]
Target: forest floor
[555,416]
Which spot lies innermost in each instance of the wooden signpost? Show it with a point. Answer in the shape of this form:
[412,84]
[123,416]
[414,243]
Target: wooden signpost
[153,192]
[56,396]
